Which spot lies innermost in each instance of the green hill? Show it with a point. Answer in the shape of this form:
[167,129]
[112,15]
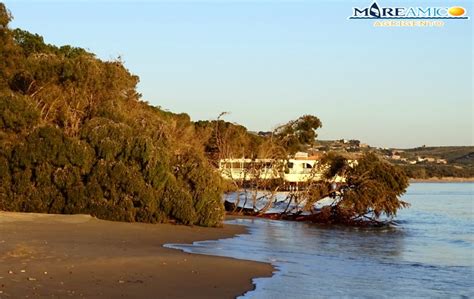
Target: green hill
[463,155]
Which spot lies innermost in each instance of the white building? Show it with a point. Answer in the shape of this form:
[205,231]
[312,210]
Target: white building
[295,170]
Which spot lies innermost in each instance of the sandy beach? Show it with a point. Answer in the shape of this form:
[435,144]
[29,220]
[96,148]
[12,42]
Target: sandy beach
[82,257]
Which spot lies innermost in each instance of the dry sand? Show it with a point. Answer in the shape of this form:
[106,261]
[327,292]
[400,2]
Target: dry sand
[81,257]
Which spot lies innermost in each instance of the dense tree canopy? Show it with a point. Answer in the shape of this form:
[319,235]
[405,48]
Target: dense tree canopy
[298,134]
[372,188]
[228,140]
[5,16]
[223,139]
[75,137]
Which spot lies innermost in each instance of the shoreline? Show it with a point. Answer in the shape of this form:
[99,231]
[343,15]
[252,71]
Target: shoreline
[443,180]
[81,256]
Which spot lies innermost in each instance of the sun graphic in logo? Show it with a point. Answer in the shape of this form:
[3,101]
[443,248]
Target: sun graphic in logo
[456,11]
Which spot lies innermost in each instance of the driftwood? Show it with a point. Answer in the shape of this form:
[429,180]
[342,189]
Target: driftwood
[233,209]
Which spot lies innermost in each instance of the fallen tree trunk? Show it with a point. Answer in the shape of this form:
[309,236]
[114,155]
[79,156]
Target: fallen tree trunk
[326,215]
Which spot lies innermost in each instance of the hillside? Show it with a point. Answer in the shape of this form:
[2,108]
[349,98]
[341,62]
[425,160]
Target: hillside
[462,155]
[419,163]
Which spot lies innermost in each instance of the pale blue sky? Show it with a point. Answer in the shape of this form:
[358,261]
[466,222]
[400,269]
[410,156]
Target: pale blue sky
[268,62]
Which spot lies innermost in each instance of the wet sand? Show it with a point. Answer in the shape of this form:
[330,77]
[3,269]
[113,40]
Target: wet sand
[81,257]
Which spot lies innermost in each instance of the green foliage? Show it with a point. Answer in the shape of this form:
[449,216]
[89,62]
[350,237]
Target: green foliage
[460,161]
[5,16]
[50,145]
[426,171]
[225,140]
[17,113]
[178,203]
[206,190]
[228,140]
[109,139]
[117,191]
[372,188]
[75,138]
[30,43]
[337,164]
[298,134]
[375,187]
[453,154]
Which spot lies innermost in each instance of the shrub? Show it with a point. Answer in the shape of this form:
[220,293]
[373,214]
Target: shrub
[17,113]
[75,138]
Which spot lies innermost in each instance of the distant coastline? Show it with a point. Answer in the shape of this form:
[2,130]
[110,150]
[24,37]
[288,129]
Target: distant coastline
[443,180]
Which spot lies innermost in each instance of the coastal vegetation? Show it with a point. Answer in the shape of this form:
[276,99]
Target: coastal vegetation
[428,171]
[369,194]
[458,162]
[76,137]
[371,187]
[224,139]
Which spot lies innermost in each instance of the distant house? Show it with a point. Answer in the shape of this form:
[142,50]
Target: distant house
[301,155]
[395,155]
[298,169]
[426,159]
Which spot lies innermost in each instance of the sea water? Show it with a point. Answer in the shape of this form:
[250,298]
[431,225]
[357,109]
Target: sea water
[428,254]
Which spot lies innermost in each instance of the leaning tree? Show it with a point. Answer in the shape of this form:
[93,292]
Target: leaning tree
[369,193]
[366,192]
